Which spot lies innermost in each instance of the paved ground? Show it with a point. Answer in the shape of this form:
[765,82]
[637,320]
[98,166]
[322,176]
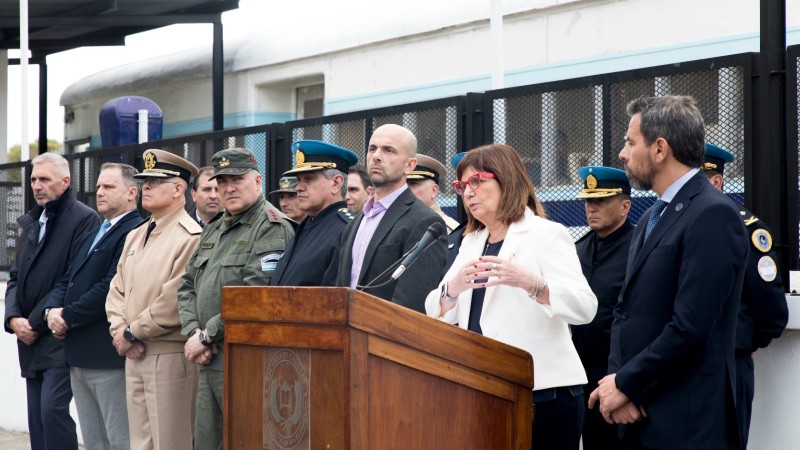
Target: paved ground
[11,440]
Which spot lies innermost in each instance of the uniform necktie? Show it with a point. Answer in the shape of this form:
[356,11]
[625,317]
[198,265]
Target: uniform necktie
[658,207]
[149,230]
[100,233]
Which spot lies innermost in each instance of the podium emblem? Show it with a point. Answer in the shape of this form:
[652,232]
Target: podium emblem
[286,402]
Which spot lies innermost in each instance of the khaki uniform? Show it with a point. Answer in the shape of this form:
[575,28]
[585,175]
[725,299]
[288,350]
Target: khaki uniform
[238,250]
[160,387]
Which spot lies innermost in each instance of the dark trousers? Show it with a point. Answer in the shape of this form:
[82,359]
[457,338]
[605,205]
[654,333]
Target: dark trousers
[558,418]
[49,423]
[597,433]
[745,389]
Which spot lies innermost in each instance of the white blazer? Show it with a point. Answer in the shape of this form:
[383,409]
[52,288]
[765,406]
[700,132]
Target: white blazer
[509,315]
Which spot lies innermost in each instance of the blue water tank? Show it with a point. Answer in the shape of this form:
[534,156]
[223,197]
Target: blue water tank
[119,121]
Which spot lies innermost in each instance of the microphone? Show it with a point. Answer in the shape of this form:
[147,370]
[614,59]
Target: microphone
[431,235]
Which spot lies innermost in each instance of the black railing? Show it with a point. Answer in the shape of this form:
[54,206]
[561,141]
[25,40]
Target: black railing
[557,127]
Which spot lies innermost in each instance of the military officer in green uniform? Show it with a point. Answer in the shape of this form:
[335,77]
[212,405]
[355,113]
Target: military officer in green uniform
[239,248]
[763,312]
[312,257]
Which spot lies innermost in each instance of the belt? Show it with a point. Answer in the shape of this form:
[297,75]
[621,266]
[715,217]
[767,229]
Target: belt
[551,393]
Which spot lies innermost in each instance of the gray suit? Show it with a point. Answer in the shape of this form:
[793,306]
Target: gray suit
[401,227]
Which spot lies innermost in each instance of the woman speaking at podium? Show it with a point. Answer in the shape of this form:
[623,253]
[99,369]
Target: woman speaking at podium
[517,279]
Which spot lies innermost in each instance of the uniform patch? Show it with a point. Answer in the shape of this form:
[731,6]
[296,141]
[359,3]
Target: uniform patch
[206,245]
[762,240]
[270,261]
[767,268]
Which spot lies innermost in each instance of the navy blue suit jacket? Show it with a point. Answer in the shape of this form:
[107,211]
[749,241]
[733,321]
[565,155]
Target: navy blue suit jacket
[672,339]
[82,293]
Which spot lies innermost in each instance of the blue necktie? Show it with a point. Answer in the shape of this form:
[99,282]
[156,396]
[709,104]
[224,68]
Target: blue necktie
[658,207]
[103,228]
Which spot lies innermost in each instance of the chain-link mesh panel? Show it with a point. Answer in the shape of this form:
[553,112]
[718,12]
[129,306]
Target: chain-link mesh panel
[14,189]
[556,132]
[349,134]
[437,132]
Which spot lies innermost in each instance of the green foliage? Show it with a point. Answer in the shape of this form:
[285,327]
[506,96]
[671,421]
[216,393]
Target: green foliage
[15,152]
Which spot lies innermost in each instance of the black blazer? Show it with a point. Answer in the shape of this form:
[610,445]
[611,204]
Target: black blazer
[672,339]
[82,293]
[37,268]
[401,227]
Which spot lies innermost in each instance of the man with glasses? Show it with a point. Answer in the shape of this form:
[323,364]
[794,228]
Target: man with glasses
[142,309]
[241,248]
[392,223]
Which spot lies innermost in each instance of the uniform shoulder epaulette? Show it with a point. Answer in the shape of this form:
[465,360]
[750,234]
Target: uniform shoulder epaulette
[274,214]
[748,217]
[346,215]
[190,225]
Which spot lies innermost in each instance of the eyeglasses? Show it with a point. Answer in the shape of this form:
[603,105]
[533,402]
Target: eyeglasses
[474,182]
[155,182]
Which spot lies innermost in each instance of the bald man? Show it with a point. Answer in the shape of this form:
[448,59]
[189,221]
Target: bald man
[392,223]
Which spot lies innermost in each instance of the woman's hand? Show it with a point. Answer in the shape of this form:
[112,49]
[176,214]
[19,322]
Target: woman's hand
[499,271]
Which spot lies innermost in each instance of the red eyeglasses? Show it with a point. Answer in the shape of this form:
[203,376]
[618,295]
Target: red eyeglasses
[473,182]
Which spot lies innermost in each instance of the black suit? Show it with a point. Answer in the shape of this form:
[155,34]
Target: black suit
[603,261]
[36,269]
[82,293]
[401,227]
[672,339]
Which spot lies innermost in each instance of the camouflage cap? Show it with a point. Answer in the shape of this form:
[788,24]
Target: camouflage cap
[286,185]
[233,161]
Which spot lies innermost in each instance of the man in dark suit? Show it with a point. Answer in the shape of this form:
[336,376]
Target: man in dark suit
[77,313]
[671,369]
[763,312]
[205,196]
[49,237]
[392,223]
[603,253]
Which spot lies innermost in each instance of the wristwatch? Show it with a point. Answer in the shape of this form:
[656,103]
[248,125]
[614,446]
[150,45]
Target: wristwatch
[46,313]
[128,335]
[202,337]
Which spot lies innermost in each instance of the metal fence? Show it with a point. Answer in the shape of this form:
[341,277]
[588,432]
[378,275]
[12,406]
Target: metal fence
[556,127]
[561,126]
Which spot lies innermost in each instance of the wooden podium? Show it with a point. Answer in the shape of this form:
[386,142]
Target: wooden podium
[334,368]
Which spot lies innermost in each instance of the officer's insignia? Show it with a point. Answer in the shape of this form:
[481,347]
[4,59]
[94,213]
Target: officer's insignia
[284,183]
[299,158]
[591,182]
[149,160]
[762,240]
[346,214]
[270,262]
[767,269]
[286,399]
[224,162]
[273,216]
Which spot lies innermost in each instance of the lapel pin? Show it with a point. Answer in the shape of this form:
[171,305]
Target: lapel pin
[679,207]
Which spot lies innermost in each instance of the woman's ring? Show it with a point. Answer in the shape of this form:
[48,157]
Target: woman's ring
[494,267]
[466,279]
